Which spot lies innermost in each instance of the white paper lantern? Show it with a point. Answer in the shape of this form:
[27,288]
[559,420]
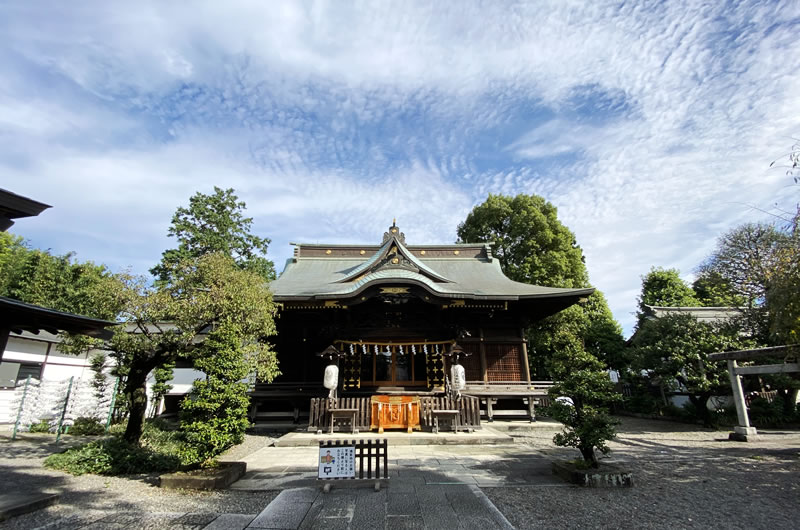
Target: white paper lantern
[457,377]
[331,379]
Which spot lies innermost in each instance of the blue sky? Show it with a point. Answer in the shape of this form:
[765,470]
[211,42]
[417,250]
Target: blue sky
[651,126]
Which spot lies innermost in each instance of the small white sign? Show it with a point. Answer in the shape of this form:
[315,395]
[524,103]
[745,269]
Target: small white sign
[337,462]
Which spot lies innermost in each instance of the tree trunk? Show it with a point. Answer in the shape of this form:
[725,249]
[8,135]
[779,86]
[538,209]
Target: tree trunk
[589,455]
[700,403]
[136,395]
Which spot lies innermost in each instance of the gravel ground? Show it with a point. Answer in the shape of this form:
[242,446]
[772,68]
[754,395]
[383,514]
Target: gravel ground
[91,495]
[684,476]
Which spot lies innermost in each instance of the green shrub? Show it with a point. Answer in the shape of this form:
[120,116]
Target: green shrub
[587,426]
[214,416]
[42,426]
[765,414]
[86,426]
[118,428]
[112,456]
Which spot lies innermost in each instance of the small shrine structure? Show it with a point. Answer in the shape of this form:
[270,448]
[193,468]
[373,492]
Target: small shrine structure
[395,313]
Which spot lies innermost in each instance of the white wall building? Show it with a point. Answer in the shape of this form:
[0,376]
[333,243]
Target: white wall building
[38,356]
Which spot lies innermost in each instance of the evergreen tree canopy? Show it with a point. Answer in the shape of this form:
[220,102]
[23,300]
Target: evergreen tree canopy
[215,223]
[532,245]
[783,295]
[674,350]
[713,290]
[166,322]
[664,287]
[55,282]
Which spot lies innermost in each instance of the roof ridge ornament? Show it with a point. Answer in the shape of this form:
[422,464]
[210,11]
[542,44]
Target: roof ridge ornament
[393,254]
[394,232]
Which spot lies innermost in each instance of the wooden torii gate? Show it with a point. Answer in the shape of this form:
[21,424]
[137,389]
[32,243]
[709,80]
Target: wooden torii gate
[744,432]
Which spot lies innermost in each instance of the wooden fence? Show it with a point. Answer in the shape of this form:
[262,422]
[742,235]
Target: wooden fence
[319,419]
[468,407]
[369,450]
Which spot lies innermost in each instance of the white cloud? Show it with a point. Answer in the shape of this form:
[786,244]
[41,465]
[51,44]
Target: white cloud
[330,119]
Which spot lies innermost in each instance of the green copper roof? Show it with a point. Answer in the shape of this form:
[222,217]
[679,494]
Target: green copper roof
[383,252]
[324,276]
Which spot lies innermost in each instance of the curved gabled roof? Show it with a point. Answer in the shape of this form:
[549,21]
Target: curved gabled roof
[391,243]
[326,272]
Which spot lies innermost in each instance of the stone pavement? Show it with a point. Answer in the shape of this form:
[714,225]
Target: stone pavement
[409,506]
[428,487]
[276,468]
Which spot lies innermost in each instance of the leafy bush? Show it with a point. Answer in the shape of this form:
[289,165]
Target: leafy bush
[42,426]
[86,426]
[214,415]
[765,414]
[587,425]
[112,456]
[118,428]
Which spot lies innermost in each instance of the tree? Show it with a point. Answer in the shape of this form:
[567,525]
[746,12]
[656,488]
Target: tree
[783,308]
[168,321]
[528,239]
[587,425]
[674,349]
[214,415]
[664,287]
[215,223]
[744,258]
[712,290]
[97,363]
[55,282]
[533,246]
[602,334]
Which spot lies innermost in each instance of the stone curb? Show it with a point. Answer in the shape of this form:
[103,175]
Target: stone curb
[14,504]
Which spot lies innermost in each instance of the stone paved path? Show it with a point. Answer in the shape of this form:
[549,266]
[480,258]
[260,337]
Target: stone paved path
[409,506]
[429,487]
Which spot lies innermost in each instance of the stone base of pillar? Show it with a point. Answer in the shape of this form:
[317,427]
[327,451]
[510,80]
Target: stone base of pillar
[743,434]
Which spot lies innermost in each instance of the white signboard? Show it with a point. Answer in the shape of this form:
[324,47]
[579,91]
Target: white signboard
[337,462]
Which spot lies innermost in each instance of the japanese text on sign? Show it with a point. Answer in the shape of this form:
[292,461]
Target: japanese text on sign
[337,462]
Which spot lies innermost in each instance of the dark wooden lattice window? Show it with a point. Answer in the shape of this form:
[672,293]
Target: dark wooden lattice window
[472,363]
[502,362]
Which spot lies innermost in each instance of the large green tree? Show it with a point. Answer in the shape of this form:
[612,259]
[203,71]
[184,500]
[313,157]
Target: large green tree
[575,345]
[713,290]
[215,223]
[52,281]
[673,350]
[56,282]
[783,295]
[168,321]
[665,287]
[532,245]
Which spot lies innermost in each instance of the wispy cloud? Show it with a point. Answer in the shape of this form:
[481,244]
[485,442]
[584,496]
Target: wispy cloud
[650,126]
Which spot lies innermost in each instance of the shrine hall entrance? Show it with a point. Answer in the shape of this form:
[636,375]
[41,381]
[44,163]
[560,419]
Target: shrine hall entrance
[393,366]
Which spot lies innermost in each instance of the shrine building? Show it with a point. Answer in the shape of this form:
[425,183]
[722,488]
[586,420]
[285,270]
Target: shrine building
[393,315]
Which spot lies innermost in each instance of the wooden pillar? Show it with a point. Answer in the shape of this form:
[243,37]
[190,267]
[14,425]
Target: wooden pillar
[304,353]
[526,368]
[482,350]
